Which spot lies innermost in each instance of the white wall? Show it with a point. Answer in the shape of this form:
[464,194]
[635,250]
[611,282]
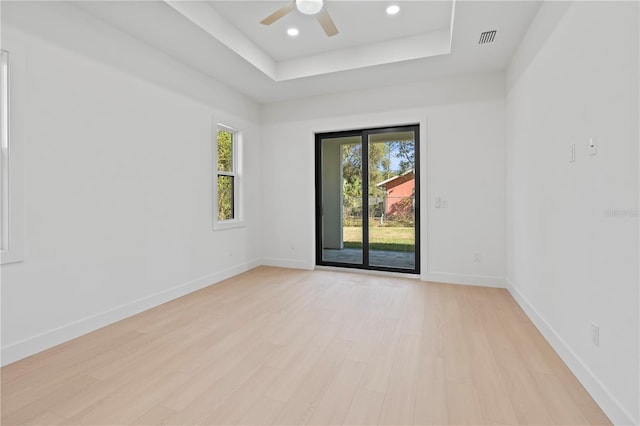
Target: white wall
[570,261]
[117,143]
[463,160]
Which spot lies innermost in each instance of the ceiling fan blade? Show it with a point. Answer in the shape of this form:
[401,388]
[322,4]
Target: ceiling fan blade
[279,13]
[327,23]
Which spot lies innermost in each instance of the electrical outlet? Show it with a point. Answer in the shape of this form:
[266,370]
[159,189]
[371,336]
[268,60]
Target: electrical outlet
[477,257]
[595,334]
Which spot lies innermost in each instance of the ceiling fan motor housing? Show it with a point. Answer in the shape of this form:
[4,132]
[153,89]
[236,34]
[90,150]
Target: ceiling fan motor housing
[309,7]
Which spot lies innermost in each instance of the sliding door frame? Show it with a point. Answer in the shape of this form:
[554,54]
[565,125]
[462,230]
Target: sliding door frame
[364,134]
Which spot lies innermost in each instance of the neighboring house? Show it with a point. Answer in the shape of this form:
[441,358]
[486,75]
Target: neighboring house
[400,192]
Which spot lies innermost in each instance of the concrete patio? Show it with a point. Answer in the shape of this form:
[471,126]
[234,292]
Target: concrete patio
[390,259]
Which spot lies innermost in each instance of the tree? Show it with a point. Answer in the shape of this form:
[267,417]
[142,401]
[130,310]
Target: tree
[404,151]
[352,179]
[381,157]
[225,183]
[379,170]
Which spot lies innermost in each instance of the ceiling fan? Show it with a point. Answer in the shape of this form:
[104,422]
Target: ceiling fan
[308,7]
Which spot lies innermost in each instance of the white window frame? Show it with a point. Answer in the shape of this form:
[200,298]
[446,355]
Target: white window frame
[236,146]
[11,197]
[4,147]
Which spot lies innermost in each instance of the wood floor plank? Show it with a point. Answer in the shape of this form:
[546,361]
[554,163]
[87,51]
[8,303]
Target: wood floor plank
[202,395]
[47,418]
[333,407]
[90,357]
[457,350]
[262,412]
[365,408]
[155,416]
[400,395]
[378,370]
[431,395]
[527,340]
[363,347]
[573,387]
[47,403]
[234,407]
[433,322]
[303,359]
[491,391]
[48,380]
[558,401]
[316,329]
[413,317]
[280,346]
[463,405]
[525,395]
[67,355]
[146,394]
[307,393]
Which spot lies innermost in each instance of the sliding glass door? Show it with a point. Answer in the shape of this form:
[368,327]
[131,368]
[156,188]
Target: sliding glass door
[367,197]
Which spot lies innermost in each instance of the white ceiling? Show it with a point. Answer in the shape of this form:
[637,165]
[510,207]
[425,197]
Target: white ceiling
[225,40]
[395,40]
[358,22]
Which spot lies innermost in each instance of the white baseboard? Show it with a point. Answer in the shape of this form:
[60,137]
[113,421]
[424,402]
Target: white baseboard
[477,280]
[601,395]
[287,263]
[48,339]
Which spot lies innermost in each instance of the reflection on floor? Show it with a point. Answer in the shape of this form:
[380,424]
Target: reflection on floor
[390,259]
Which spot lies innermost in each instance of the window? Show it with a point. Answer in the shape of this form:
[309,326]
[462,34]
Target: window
[11,196]
[227,212]
[4,144]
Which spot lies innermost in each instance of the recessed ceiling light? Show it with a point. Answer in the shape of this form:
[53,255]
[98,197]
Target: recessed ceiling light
[293,32]
[392,10]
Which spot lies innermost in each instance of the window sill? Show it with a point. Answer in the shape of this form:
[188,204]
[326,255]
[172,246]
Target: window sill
[10,256]
[230,224]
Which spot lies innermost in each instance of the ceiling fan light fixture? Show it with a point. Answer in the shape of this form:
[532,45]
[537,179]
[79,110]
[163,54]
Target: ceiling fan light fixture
[309,7]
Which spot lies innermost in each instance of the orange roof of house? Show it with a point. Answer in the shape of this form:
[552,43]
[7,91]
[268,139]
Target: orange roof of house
[391,179]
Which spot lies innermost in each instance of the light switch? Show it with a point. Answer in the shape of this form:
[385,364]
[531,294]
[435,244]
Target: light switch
[593,146]
[438,202]
[572,153]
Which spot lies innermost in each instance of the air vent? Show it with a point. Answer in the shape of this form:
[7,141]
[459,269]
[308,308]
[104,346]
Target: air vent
[487,37]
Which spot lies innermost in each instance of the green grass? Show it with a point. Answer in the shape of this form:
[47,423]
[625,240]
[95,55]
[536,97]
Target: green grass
[381,238]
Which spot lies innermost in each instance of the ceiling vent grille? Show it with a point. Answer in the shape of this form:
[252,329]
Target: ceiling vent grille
[487,37]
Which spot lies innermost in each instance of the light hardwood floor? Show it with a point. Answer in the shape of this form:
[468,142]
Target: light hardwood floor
[278,346]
